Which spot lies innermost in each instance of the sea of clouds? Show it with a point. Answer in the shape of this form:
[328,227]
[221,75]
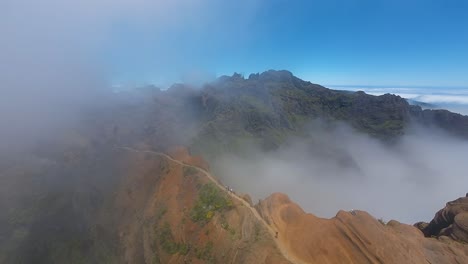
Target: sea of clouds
[342,169]
[454,99]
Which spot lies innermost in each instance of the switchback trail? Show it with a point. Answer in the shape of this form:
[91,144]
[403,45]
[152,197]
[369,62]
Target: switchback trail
[254,211]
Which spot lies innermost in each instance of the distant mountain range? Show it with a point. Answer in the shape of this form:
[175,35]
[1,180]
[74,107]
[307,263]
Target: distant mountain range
[266,108]
[106,193]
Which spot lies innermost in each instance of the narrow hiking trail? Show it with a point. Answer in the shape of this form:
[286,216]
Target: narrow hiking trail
[279,244]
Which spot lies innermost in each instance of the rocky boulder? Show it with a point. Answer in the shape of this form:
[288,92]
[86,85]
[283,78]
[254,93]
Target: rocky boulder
[451,221]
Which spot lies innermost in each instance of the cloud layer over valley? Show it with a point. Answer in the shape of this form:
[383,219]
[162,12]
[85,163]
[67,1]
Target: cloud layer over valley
[454,99]
[341,169]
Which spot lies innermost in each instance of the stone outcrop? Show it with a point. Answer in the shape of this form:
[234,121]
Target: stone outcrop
[355,237]
[451,221]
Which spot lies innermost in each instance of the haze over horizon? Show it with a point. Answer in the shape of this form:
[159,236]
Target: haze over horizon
[454,99]
[327,42]
[345,42]
[157,131]
[66,54]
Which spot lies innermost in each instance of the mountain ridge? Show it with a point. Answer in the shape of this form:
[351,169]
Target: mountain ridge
[84,201]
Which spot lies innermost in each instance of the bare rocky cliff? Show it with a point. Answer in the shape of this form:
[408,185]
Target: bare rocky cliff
[354,237]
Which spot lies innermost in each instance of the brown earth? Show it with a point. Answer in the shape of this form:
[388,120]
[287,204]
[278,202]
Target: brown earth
[354,237]
[162,196]
[155,225]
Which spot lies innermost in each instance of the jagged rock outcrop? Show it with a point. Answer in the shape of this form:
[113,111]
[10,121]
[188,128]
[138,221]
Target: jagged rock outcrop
[354,237]
[451,221]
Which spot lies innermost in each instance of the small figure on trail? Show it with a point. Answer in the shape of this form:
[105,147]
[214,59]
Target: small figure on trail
[276,235]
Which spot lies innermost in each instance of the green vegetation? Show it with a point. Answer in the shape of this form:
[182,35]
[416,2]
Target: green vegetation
[210,200]
[224,223]
[205,253]
[234,116]
[184,249]
[230,229]
[168,244]
[257,232]
[189,171]
[161,212]
[233,234]
[266,110]
[164,165]
[155,260]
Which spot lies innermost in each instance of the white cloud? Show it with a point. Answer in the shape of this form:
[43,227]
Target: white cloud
[341,169]
[453,99]
[442,99]
[51,52]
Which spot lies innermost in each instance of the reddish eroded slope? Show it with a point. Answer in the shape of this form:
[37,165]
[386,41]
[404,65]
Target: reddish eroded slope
[155,207]
[183,155]
[155,223]
[353,237]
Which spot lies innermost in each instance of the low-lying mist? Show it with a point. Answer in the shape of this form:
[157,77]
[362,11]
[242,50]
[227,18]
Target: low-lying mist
[339,168]
[60,58]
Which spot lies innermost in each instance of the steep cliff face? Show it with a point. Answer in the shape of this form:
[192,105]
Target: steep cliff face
[354,237]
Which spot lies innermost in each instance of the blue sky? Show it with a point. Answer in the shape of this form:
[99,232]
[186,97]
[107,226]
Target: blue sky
[330,42]
[349,42]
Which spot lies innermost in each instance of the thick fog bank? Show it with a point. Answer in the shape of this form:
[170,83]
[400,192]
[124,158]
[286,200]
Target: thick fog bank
[342,169]
[60,58]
